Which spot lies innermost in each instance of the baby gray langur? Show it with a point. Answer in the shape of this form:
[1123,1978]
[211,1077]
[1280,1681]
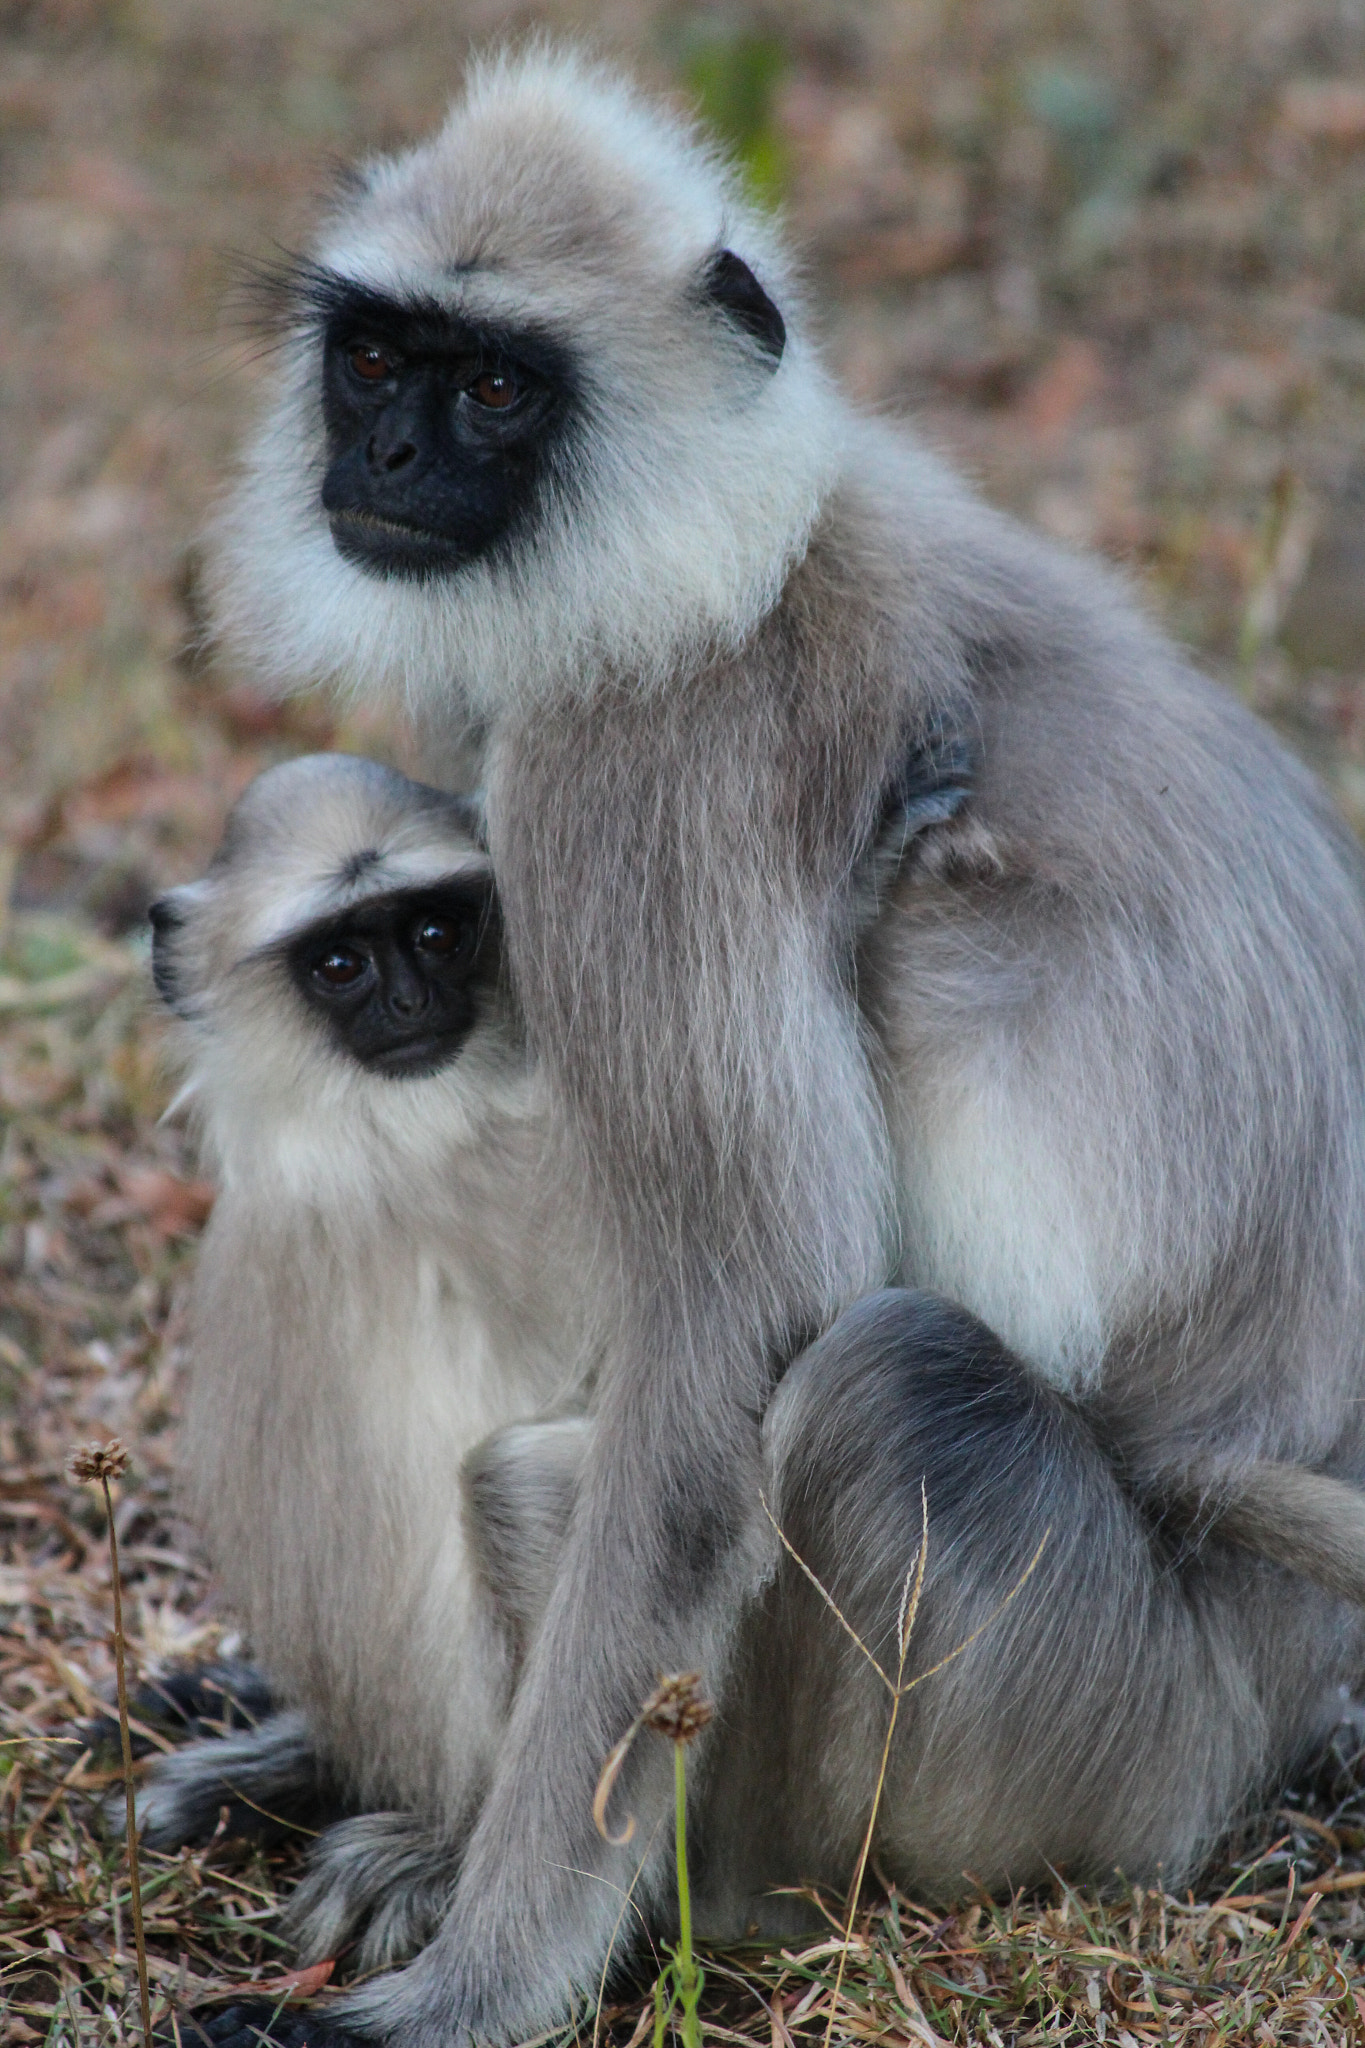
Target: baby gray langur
[552,456]
[382,1285]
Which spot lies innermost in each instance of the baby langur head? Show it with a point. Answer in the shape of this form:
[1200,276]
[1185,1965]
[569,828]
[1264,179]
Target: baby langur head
[347,927]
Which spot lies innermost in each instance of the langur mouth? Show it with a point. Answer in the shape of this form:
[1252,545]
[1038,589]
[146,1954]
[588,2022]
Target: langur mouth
[374,522]
[417,1058]
[388,547]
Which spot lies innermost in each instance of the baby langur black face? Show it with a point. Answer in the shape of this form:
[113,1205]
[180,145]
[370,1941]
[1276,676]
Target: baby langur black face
[397,979]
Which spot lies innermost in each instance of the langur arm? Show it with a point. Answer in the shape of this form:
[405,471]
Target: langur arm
[741,1223]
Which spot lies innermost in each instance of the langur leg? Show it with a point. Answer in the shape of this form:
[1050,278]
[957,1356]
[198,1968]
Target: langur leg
[520,1486]
[244,1756]
[194,1700]
[384,1880]
[269,1779]
[1120,1706]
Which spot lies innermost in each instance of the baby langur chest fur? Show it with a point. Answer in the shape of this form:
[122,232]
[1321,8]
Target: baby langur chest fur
[381,1285]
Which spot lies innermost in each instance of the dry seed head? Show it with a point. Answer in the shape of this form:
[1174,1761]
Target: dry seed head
[98,1461]
[677,1707]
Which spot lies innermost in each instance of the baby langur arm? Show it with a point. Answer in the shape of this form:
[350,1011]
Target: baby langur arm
[520,1487]
[926,824]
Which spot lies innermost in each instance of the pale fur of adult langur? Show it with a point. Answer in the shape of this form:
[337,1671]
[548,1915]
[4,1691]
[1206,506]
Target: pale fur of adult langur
[552,458]
[382,1285]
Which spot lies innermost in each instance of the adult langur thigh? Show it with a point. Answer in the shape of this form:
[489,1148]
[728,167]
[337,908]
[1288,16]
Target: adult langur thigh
[552,456]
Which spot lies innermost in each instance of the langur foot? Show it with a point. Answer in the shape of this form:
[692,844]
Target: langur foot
[198,1700]
[270,1780]
[386,1877]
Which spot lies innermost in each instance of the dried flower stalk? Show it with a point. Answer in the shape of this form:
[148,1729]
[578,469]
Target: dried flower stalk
[677,1709]
[101,1463]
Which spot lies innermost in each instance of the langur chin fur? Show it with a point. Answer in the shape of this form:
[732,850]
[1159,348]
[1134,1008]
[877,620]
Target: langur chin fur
[552,457]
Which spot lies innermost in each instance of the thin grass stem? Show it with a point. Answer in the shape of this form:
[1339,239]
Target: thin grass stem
[130,1799]
[104,1462]
[689,1977]
[905,1623]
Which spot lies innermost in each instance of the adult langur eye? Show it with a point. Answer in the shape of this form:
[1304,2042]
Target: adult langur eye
[341,968]
[370,362]
[497,389]
[439,935]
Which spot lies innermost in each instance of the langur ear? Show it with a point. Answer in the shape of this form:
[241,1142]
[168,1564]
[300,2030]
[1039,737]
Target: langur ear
[729,283]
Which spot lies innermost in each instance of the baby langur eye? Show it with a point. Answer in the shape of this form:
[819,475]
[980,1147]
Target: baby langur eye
[371,362]
[440,935]
[497,389]
[342,967]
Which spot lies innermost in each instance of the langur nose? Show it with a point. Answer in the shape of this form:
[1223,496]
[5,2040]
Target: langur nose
[396,455]
[408,995]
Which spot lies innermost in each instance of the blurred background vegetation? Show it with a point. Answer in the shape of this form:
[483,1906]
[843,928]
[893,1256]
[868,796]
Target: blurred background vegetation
[1109,253]
[1110,256]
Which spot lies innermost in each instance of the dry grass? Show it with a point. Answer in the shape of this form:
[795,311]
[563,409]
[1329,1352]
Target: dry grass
[1112,256]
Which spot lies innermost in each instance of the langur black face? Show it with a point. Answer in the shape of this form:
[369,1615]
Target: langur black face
[438,432]
[397,979]
[441,431]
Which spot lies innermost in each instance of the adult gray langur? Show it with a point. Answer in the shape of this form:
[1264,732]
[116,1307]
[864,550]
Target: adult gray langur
[553,459]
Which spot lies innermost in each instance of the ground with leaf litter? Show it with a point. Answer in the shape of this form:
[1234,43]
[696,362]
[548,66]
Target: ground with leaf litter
[1112,256]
